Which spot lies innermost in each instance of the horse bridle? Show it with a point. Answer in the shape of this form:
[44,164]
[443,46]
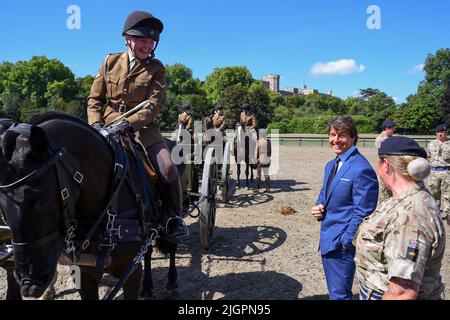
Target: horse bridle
[65,165]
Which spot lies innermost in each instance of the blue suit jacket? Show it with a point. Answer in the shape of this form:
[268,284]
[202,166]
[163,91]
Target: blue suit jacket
[352,196]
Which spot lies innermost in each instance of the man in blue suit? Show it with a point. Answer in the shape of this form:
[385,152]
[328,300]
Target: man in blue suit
[349,194]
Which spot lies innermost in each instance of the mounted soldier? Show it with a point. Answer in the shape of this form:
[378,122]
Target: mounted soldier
[218,119]
[187,119]
[125,80]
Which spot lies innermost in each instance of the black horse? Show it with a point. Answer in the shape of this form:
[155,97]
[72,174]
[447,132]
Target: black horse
[243,149]
[59,178]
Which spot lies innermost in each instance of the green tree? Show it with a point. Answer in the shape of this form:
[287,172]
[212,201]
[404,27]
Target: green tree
[177,74]
[418,115]
[222,78]
[232,99]
[437,80]
[258,97]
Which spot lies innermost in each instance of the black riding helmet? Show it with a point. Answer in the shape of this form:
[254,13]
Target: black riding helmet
[142,24]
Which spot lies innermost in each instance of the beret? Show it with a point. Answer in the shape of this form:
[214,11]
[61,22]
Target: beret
[245,106]
[218,107]
[401,146]
[441,127]
[388,124]
[186,107]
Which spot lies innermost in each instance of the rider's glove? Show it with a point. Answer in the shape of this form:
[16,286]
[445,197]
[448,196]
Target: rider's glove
[122,128]
[98,126]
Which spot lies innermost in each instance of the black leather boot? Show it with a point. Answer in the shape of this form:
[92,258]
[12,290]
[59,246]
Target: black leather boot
[175,225]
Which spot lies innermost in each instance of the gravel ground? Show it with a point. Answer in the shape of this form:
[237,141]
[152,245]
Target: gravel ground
[256,253]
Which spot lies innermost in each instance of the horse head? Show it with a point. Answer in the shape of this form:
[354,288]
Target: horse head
[28,203]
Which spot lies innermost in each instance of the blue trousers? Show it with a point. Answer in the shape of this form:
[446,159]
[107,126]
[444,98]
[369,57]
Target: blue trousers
[339,268]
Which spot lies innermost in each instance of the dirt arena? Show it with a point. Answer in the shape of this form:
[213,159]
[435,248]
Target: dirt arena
[256,253]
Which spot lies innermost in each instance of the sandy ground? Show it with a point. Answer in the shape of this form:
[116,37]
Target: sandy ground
[256,253]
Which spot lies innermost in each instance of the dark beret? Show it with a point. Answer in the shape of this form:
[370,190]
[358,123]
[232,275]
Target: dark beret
[388,124]
[186,107]
[218,107]
[401,146]
[441,127]
[245,106]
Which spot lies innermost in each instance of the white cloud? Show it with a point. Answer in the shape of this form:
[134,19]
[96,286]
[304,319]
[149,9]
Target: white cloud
[416,69]
[342,67]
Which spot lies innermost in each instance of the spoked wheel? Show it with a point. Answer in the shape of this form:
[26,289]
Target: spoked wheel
[208,206]
[225,173]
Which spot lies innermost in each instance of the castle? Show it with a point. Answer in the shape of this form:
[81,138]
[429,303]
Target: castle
[272,82]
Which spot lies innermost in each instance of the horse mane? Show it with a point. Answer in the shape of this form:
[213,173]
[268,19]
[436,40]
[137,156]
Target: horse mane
[54,115]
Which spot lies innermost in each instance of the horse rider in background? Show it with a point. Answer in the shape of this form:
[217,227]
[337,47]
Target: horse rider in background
[187,119]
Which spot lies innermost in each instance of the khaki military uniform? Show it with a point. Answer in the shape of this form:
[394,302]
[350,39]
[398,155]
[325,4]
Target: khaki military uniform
[403,238]
[219,122]
[188,122]
[123,80]
[249,120]
[439,179]
[384,193]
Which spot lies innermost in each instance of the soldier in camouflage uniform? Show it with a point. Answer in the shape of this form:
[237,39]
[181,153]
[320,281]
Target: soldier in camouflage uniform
[439,180]
[388,129]
[186,118]
[400,247]
[126,79]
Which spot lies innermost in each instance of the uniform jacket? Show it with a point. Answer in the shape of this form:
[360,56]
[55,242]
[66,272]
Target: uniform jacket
[187,121]
[249,120]
[219,122]
[403,238]
[351,197]
[115,84]
[439,153]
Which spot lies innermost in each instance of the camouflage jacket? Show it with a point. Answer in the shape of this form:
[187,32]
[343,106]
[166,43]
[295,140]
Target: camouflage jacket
[381,137]
[403,238]
[439,153]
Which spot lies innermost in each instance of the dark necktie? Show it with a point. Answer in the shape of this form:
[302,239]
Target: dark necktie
[333,172]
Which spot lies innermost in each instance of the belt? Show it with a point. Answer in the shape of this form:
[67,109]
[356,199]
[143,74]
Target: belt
[440,168]
[369,294]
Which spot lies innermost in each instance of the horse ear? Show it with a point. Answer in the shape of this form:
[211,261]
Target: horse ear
[8,144]
[38,141]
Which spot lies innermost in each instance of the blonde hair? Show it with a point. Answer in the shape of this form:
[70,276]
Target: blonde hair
[417,168]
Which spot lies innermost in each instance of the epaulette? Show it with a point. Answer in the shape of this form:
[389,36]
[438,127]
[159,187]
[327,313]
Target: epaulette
[159,62]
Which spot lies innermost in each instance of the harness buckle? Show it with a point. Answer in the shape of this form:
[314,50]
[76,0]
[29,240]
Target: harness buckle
[78,177]
[118,165]
[122,108]
[65,193]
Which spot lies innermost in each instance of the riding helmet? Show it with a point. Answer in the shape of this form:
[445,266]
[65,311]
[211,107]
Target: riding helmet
[142,24]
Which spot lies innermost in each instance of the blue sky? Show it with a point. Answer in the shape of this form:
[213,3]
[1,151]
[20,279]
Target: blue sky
[323,43]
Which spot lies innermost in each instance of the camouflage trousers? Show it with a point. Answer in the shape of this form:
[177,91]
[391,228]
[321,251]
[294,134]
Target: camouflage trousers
[439,186]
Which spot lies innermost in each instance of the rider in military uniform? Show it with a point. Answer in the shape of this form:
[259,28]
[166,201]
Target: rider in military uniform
[186,118]
[218,119]
[128,78]
[400,247]
[247,118]
[439,181]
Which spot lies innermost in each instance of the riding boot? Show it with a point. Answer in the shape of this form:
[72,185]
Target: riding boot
[175,224]
[267,181]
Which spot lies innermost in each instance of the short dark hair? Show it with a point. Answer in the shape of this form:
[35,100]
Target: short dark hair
[344,123]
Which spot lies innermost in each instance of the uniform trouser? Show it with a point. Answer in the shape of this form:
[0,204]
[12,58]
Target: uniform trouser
[159,154]
[439,185]
[339,269]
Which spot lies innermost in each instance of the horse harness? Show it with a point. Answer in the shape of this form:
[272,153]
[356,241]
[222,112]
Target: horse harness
[117,229]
